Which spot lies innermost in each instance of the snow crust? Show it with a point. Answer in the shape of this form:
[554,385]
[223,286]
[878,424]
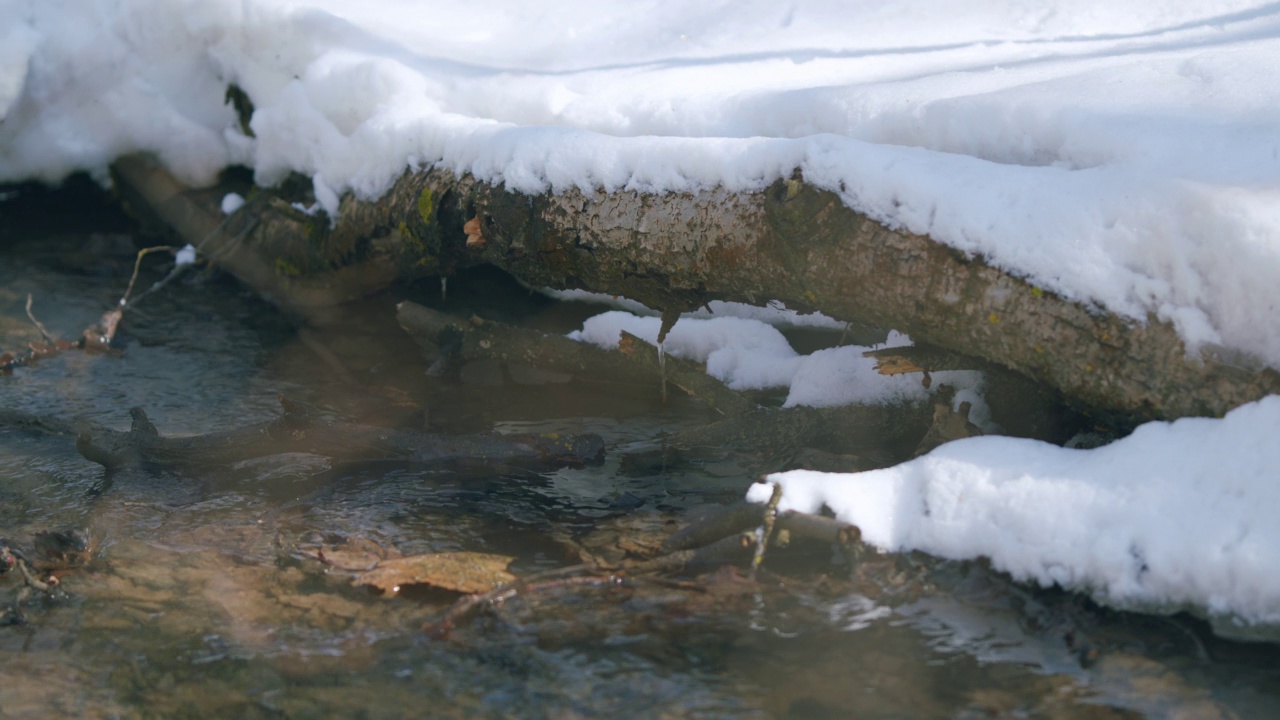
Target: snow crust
[1176,516]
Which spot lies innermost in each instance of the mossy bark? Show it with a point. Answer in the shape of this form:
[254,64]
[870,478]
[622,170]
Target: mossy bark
[791,242]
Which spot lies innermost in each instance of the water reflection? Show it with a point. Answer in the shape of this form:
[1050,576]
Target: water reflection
[204,599]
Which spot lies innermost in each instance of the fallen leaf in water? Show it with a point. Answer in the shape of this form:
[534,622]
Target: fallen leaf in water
[358,554]
[464,572]
[638,535]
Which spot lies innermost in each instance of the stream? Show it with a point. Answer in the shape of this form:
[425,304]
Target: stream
[204,598]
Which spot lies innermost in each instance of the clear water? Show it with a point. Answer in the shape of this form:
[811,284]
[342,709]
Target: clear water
[202,600]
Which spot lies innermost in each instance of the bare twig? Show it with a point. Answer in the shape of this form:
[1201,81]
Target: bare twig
[39,326]
[30,578]
[731,549]
[177,271]
[137,265]
[470,603]
[765,534]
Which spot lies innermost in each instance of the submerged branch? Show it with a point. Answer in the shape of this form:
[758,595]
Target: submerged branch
[295,431]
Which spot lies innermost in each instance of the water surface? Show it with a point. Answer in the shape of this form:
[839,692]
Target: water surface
[204,598]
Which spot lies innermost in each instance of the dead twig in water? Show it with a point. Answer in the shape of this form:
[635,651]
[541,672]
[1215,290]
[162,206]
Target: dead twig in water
[99,335]
[765,534]
[49,339]
[469,604]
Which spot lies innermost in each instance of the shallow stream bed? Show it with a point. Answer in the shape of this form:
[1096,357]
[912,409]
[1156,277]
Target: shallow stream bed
[203,597]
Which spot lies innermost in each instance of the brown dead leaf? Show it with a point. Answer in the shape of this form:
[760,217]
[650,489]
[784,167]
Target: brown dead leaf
[354,554]
[626,343]
[639,536]
[893,364]
[464,572]
[475,235]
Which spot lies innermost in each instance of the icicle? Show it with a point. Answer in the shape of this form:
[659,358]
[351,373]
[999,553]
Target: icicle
[669,318]
[662,368]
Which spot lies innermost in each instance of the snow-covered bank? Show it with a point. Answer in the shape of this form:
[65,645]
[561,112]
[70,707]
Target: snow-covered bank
[1177,515]
[1121,154]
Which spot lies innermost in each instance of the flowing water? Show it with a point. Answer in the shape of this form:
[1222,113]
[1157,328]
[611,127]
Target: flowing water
[204,597]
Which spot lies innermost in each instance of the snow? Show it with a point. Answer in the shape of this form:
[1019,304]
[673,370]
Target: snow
[1176,516]
[1120,154]
[774,313]
[231,202]
[749,354]
[185,256]
[1125,155]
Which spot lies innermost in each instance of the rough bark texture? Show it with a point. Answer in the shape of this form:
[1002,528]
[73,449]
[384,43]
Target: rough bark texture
[791,242]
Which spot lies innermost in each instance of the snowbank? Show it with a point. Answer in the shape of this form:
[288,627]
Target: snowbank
[1176,516]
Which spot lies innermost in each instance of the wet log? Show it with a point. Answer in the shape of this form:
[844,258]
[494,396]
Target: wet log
[296,432]
[11,419]
[714,524]
[791,241]
[780,433]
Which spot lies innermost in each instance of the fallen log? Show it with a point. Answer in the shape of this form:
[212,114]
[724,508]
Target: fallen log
[779,433]
[791,241]
[296,432]
[11,419]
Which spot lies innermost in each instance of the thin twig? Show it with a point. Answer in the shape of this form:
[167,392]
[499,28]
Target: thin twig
[765,533]
[39,326]
[137,266]
[173,274]
[470,603]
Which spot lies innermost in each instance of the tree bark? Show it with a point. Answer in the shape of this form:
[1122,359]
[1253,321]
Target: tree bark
[791,242]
